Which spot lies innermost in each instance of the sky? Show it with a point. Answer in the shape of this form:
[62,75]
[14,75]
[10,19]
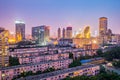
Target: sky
[60,13]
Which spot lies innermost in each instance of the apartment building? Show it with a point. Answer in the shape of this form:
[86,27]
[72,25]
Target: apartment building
[42,57]
[8,73]
[88,70]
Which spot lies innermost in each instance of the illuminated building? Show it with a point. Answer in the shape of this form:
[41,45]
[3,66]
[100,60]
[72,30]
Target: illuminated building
[69,32]
[63,33]
[109,35]
[84,34]
[11,38]
[4,57]
[41,34]
[87,32]
[102,30]
[20,30]
[47,33]
[59,33]
[65,42]
[83,38]
[102,26]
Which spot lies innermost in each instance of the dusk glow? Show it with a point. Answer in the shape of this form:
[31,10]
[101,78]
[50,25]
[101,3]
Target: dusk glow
[59,13]
[59,39]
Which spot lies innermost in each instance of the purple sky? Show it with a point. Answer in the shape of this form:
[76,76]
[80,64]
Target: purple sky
[59,13]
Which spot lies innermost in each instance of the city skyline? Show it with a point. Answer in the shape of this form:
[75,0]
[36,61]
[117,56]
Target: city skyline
[78,14]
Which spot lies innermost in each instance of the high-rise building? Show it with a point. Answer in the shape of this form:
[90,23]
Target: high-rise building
[4,56]
[102,26]
[41,34]
[20,30]
[63,33]
[69,32]
[103,30]
[59,33]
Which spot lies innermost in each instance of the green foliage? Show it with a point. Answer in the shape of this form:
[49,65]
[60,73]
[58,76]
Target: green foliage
[102,69]
[71,55]
[99,52]
[75,63]
[24,74]
[113,53]
[13,61]
[49,70]
[101,76]
[116,63]
[38,72]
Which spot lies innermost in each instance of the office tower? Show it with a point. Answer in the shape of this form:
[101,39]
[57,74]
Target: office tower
[59,33]
[102,26]
[47,33]
[63,33]
[4,56]
[69,32]
[41,34]
[20,30]
[103,30]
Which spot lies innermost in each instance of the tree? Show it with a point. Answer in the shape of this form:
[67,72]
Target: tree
[38,72]
[113,53]
[116,64]
[13,61]
[99,52]
[75,63]
[71,55]
[49,70]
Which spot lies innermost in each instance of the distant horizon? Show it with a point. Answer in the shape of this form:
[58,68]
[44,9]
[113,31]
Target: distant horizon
[62,13]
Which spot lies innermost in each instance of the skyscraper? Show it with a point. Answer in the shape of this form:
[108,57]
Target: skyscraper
[4,56]
[102,26]
[59,33]
[20,31]
[103,30]
[69,32]
[63,33]
[41,34]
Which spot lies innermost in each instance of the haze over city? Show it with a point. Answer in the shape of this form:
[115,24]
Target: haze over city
[59,13]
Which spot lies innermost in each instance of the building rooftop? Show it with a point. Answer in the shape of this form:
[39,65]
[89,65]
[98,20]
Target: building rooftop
[90,60]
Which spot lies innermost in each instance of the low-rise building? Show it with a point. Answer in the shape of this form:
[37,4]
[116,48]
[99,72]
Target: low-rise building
[9,73]
[88,70]
[41,58]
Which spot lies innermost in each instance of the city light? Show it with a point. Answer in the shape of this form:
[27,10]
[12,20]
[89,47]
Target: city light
[19,21]
[36,43]
[94,41]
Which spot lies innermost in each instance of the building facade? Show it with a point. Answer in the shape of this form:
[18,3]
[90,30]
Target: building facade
[63,33]
[88,70]
[59,33]
[4,53]
[20,30]
[103,26]
[103,30]
[41,34]
[69,32]
[41,58]
[9,73]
